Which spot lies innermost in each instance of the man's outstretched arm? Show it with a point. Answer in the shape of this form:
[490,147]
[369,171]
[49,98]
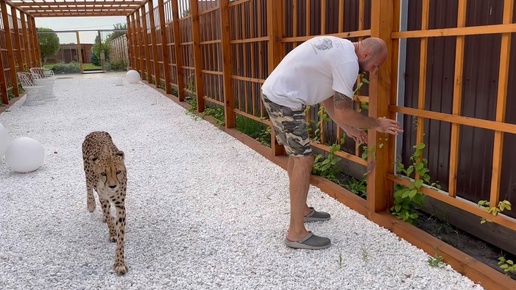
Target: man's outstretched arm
[340,109]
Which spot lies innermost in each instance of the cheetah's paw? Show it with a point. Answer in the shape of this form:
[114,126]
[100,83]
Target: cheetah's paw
[120,268]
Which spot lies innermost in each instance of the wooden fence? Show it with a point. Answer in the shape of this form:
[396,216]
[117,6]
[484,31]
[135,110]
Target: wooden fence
[119,50]
[222,51]
[18,48]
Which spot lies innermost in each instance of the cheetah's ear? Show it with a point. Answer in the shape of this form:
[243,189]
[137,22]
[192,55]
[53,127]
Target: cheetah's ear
[120,154]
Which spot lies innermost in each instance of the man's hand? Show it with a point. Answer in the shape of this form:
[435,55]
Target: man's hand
[359,135]
[388,126]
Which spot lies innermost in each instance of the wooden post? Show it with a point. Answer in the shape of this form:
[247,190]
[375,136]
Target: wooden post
[164,46]
[26,41]
[9,43]
[227,68]
[457,99]
[146,46]
[134,43]
[501,101]
[196,38]
[140,52]
[275,34]
[33,34]
[154,44]
[17,42]
[379,189]
[79,51]
[3,83]
[177,50]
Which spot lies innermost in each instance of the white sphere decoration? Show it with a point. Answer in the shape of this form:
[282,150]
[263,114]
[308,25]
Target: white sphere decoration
[4,140]
[132,76]
[24,154]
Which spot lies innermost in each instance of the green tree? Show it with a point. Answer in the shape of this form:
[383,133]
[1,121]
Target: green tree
[48,42]
[118,27]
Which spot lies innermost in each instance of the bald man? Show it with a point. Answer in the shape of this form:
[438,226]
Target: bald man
[324,70]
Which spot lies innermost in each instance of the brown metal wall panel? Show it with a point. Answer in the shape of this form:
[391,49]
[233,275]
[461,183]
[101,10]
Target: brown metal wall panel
[479,96]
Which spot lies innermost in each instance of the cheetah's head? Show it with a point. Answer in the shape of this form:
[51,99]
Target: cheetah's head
[110,168]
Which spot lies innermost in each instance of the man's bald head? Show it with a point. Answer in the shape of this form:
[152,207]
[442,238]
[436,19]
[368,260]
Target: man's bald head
[371,52]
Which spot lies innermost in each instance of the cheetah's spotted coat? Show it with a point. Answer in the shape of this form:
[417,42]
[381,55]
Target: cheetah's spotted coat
[106,173]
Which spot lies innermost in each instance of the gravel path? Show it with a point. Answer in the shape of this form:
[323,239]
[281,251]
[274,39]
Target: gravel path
[203,210]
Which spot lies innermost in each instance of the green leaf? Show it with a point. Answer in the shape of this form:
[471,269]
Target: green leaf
[410,170]
[397,207]
[418,183]
[412,193]
[510,262]
[420,146]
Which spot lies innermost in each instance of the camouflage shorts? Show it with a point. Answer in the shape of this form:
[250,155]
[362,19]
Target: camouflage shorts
[290,127]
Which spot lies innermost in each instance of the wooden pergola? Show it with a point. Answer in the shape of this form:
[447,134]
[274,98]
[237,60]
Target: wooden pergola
[76,8]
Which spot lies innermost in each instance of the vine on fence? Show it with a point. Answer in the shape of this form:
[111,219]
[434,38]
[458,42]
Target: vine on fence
[407,198]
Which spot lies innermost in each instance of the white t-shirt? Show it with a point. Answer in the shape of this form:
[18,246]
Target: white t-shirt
[312,72]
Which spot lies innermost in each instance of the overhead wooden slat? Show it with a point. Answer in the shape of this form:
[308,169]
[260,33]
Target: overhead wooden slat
[72,8]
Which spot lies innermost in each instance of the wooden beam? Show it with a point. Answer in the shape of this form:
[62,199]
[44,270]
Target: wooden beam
[79,51]
[26,41]
[468,121]
[164,46]
[133,42]
[140,51]
[178,53]
[36,55]
[501,100]
[145,37]
[227,70]
[275,52]
[17,42]
[157,76]
[196,38]
[381,159]
[9,43]
[457,100]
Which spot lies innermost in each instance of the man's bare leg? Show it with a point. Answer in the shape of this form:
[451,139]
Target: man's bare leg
[299,171]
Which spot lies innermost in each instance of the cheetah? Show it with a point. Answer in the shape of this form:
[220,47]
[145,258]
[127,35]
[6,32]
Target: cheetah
[106,173]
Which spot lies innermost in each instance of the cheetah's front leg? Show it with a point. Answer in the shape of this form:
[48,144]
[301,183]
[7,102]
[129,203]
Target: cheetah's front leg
[90,199]
[106,208]
[120,266]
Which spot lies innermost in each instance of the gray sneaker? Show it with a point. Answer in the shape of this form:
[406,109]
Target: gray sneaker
[315,216]
[310,242]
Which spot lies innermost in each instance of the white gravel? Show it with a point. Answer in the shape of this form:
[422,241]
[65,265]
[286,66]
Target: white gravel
[203,210]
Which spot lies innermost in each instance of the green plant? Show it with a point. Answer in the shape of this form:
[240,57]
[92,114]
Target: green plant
[61,68]
[10,94]
[435,261]
[363,105]
[407,198]
[327,167]
[357,186]
[254,129]
[365,255]
[340,260]
[323,117]
[507,265]
[217,113]
[494,210]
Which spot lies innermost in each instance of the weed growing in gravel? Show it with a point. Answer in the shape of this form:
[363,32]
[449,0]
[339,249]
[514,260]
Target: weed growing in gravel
[365,255]
[435,261]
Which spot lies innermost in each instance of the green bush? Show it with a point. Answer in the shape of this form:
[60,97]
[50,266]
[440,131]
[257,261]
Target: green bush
[66,68]
[117,65]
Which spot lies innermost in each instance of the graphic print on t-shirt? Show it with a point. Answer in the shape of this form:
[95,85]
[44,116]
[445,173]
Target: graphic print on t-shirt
[325,44]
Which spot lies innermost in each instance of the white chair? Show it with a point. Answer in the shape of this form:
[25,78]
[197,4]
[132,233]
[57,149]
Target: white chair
[45,78]
[34,96]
